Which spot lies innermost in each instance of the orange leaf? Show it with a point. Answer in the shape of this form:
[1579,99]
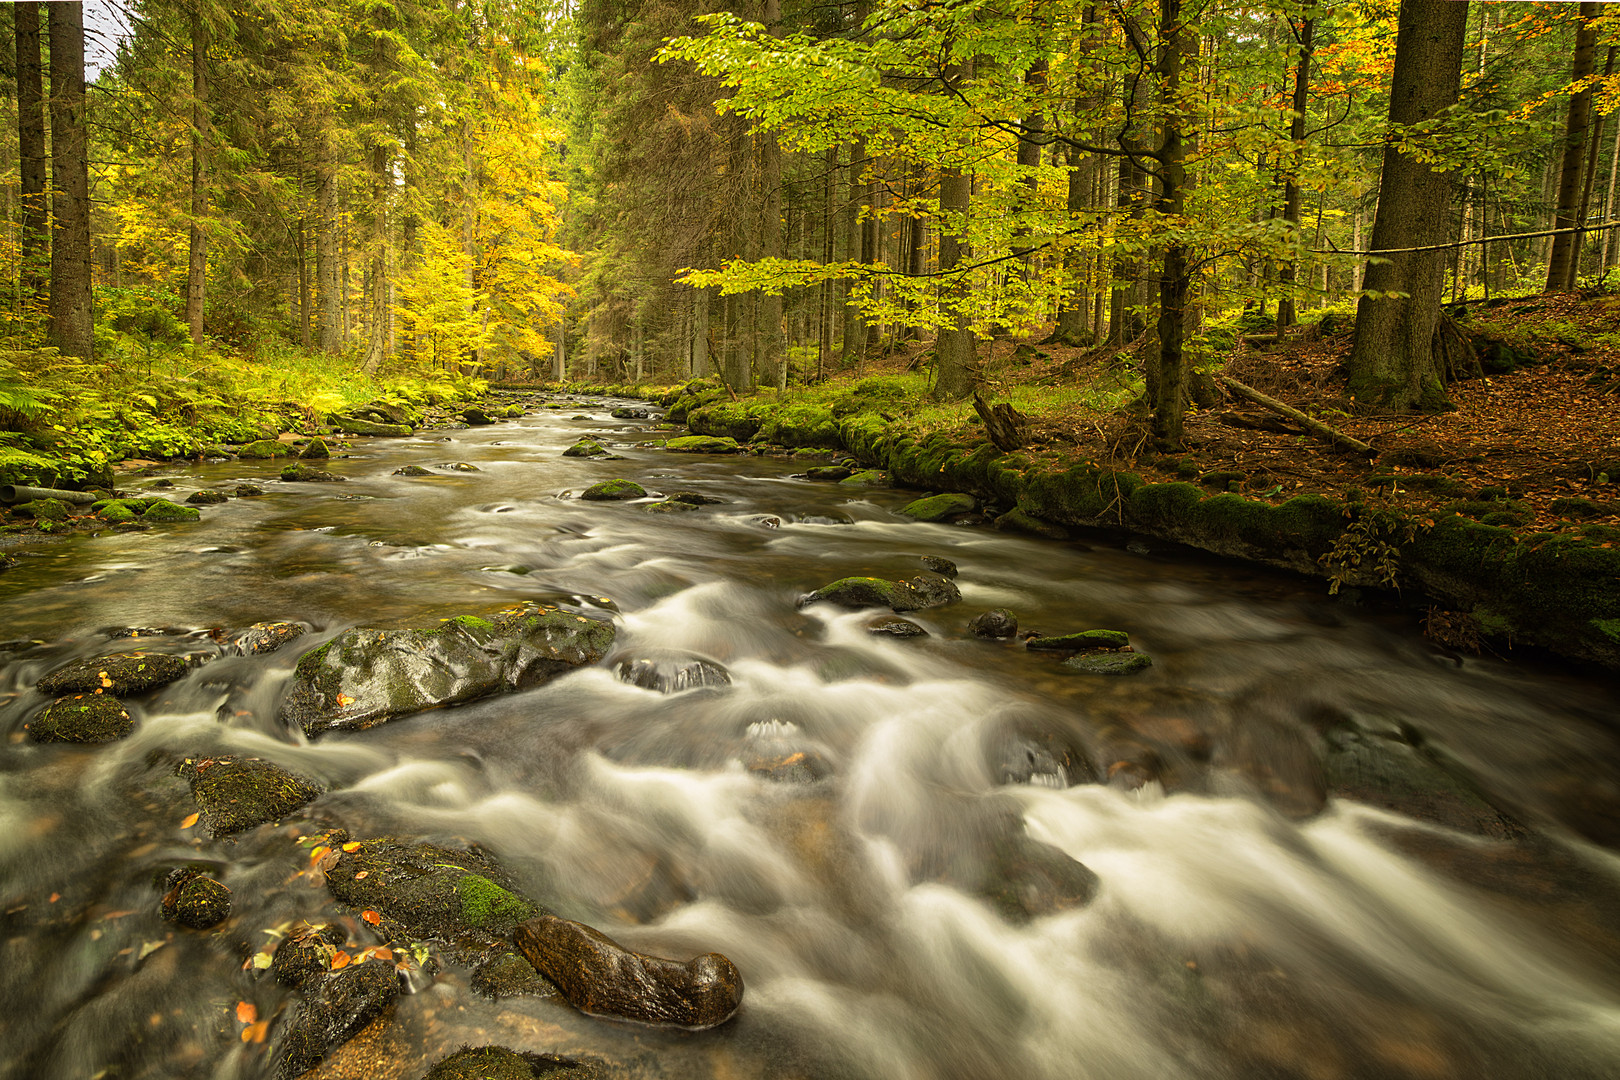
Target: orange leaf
[246,1012]
[384,953]
[55,896]
[371,917]
[361,874]
[190,820]
[255,1033]
[352,846]
[319,853]
[341,960]
[344,700]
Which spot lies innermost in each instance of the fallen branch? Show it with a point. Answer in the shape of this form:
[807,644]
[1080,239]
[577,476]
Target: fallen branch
[1005,425]
[1314,426]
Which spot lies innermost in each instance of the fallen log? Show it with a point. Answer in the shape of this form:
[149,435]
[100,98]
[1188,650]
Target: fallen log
[1005,425]
[1322,431]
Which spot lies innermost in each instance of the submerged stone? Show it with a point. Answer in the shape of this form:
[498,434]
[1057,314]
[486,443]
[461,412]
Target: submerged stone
[940,507]
[894,626]
[509,975]
[1083,641]
[119,674]
[499,1063]
[599,976]
[920,592]
[702,444]
[1119,663]
[81,718]
[235,794]
[195,900]
[995,623]
[267,637]
[335,1007]
[672,674]
[365,677]
[614,490]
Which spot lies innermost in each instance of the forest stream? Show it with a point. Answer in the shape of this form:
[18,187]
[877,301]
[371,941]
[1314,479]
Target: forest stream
[1316,845]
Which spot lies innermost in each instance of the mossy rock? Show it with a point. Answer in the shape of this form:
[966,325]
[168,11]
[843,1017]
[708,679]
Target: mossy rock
[265,448]
[267,637]
[1579,509]
[671,506]
[316,450]
[234,794]
[207,498]
[702,444]
[307,953]
[509,975]
[43,510]
[499,1063]
[354,425]
[862,592]
[195,900]
[302,473]
[412,470]
[1019,520]
[801,426]
[1508,512]
[829,473]
[114,512]
[81,718]
[731,420]
[247,491]
[995,623]
[1438,484]
[365,677]
[584,448]
[940,507]
[119,674]
[165,511]
[614,491]
[1083,641]
[334,1009]
[1118,663]
[867,478]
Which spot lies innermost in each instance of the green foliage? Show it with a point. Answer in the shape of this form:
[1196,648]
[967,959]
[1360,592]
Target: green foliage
[1370,546]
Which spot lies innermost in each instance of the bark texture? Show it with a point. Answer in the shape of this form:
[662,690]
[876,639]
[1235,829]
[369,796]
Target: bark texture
[71,311]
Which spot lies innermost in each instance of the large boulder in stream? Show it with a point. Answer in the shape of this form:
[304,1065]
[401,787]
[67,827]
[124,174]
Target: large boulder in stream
[614,491]
[355,425]
[120,674]
[500,1063]
[599,976]
[940,507]
[670,673]
[922,591]
[81,718]
[335,1007]
[365,677]
[235,794]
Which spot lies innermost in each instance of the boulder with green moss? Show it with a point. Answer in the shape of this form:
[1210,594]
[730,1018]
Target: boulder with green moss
[867,478]
[614,491]
[499,1063]
[922,591]
[412,470]
[120,674]
[302,473]
[940,507]
[585,448]
[162,510]
[365,677]
[702,444]
[265,448]
[1082,641]
[829,473]
[207,498]
[194,899]
[234,794]
[81,718]
[317,450]
[335,1007]
[42,510]
[355,425]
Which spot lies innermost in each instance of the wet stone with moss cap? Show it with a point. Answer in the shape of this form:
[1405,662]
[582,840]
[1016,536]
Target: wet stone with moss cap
[499,1063]
[940,507]
[1118,663]
[308,474]
[365,677]
[195,900]
[267,637]
[335,1007]
[235,794]
[162,510]
[702,444]
[1083,641]
[585,448]
[922,591]
[120,674]
[614,490]
[81,718]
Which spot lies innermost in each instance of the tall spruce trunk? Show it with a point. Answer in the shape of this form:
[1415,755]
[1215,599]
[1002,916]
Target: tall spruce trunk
[854,322]
[1288,275]
[377,294]
[1393,362]
[1566,246]
[328,328]
[71,310]
[197,265]
[1128,296]
[1168,392]
[34,238]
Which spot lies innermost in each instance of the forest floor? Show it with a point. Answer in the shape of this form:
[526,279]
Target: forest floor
[1535,449]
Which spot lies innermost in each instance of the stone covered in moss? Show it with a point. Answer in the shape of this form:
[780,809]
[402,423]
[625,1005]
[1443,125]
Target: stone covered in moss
[207,498]
[114,512]
[412,470]
[165,511]
[614,491]
[670,506]
[354,425]
[829,473]
[335,1007]
[306,953]
[585,448]
[265,448]
[235,794]
[509,975]
[247,491]
[42,510]
[458,466]
[702,444]
[195,900]
[800,426]
[922,591]
[1117,663]
[1020,521]
[119,674]
[499,1063]
[1083,641]
[267,637]
[724,419]
[81,718]
[302,473]
[365,677]
[940,507]
[317,450]
[995,623]
[867,478]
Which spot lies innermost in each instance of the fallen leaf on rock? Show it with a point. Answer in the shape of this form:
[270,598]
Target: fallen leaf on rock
[246,1012]
[340,960]
[344,700]
[352,846]
[190,820]
[255,1033]
[372,917]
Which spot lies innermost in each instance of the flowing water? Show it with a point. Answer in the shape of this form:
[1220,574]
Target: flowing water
[1298,876]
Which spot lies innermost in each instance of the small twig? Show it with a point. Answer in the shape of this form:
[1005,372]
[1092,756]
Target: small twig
[1314,426]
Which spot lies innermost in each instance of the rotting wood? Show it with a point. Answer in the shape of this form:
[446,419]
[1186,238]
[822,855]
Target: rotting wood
[1311,424]
[1004,424]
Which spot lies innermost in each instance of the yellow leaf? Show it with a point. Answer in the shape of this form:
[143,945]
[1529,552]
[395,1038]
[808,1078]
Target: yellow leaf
[191,819]
[319,853]
[352,846]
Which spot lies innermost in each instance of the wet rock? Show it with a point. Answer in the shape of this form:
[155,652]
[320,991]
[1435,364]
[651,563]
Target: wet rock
[670,506]
[1083,641]
[117,511]
[234,794]
[247,491]
[411,470]
[703,444]
[509,975]
[164,483]
[917,594]
[768,521]
[576,416]
[355,425]
[1116,663]
[940,507]
[458,896]
[995,623]
[265,448]
[672,673]
[165,511]
[458,466]
[614,490]
[309,474]
[829,473]
[585,448]
[1392,768]
[1019,520]
[693,498]
[1028,879]
[624,412]
[195,900]
[207,498]
[942,567]
[866,478]
[598,976]
[476,417]
[776,750]
[499,1063]
[894,626]
[365,677]
[267,637]
[1272,757]
[335,1007]
[306,953]
[316,450]
[81,718]
[120,674]
[1037,757]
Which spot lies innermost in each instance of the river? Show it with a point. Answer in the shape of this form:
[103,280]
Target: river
[1324,849]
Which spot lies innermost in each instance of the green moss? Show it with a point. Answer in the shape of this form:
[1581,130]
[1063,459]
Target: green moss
[165,511]
[1082,641]
[583,448]
[235,794]
[43,510]
[1609,628]
[474,622]
[1581,509]
[614,490]
[265,448]
[800,425]
[940,507]
[81,718]
[484,903]
[115,513]
[702,444]
[728,419]
[1162,506]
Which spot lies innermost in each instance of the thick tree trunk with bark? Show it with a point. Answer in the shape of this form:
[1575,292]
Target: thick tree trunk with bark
[854,322]
[197,268]
[1129,294]
[34,238]
[328,328]
[956,374]
[377,296]
[1168,389]
[1393,362]
[1288,275]
[1566,246]
[71,311]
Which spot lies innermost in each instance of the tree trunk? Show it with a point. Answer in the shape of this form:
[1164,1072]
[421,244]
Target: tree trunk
[34,239]
[377,339]
[772,352]
[1393,363]
[854,322]
[700,331]
[1177,50]
[71,310]
[197,267]
[1125,319]
[956,374]
[328,328]
[1289,273]
[1561,261]
[1595,146]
